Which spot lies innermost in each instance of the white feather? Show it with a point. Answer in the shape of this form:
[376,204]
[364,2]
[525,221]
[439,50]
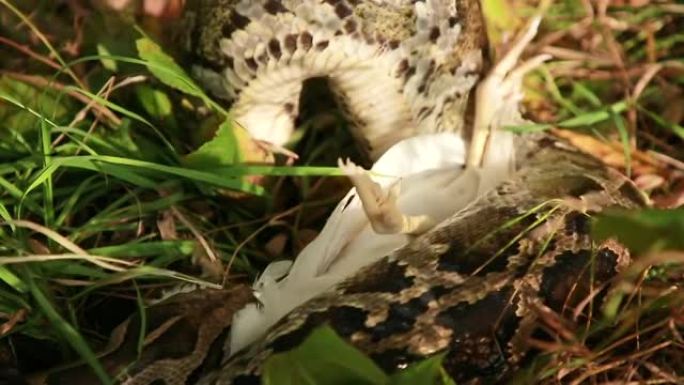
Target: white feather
[431,183]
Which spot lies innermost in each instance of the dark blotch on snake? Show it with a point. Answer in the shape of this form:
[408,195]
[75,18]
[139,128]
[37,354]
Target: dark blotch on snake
[251,63]
[383,277]
[480,332]
[274,48]
[342,11]
[292,339]
[349,26]
[237,21]
[401,317]
[346,320]
[576,223]
[392,359]
[568,280]
[290,43]
[434,34]
[247,379]
[477,261]
[306,41]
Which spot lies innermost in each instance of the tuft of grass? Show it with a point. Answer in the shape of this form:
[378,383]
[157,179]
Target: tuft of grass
[120,177]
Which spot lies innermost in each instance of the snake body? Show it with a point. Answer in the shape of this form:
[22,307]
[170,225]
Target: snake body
[397,67]
[474,287]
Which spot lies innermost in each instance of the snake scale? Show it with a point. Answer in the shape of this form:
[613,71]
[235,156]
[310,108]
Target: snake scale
[472,288]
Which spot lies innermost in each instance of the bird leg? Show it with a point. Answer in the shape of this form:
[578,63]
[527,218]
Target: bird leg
[502,83]
[381,206]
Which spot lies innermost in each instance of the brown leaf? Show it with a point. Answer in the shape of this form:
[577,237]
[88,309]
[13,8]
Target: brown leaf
[164,9]
[118,5]
[612,154]
[211,269]
[38,247]
[648,182]
[672,200]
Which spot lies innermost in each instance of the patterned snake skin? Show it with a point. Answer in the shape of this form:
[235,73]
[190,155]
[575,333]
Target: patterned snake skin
[473,287]
[397,67]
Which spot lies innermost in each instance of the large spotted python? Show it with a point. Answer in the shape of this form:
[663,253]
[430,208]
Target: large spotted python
[474,286]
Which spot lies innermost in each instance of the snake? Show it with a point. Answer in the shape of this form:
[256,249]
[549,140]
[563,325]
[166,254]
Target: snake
[473,288]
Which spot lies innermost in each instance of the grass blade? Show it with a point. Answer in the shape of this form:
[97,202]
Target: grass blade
[66,329]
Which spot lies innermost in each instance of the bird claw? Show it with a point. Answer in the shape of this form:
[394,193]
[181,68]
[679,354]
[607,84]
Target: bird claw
[350,168]
[381,206]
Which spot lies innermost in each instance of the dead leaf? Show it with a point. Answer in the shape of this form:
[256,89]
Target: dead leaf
[671,200]
[38,247]
[117,5]
[212,269]
[612,154]
[648,182]
[164,9]
[160,9]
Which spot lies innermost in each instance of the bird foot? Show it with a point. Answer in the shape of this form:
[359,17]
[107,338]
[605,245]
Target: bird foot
[380,206]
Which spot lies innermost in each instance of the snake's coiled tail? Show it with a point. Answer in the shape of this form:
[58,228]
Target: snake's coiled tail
[398,68]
